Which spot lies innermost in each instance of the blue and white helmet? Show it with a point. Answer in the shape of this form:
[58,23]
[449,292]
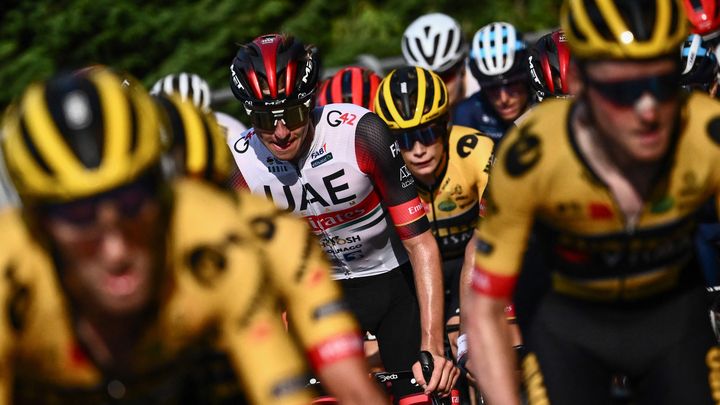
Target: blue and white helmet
[498,54]
[188,85]
[434,42]
[699,63]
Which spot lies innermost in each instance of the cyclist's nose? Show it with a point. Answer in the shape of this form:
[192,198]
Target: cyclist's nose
[281,131]
[646,108]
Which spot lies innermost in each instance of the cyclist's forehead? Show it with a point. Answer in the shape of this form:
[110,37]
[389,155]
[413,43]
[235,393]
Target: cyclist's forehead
[619,70]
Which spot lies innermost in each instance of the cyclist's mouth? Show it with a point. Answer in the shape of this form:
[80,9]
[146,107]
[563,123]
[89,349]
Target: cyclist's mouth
[283,146]
[122,284]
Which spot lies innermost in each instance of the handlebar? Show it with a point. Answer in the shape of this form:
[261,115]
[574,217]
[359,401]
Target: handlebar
[427,364]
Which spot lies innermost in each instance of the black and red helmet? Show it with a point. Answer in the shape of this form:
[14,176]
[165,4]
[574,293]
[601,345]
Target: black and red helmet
[704,15]
[274,71]
[353,84]
[549,62]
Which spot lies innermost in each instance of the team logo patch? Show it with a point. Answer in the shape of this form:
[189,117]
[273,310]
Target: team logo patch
[598,210]
[447,205]
[713,129]
[523,154]
[483,246]
[322,159]
[406,179]
[243,143]
[662,205]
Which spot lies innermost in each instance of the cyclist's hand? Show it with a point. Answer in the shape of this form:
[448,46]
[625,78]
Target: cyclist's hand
[443,379]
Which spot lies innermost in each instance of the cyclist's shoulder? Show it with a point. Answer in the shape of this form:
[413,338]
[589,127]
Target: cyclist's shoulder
[469,145]
[701,117]
[200,207]
[19,245]
[231,126]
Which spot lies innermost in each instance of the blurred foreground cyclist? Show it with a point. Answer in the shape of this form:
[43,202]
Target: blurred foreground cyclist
[122,287]
[615,179]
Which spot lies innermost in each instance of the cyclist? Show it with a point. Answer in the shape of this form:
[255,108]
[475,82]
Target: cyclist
[548,63]
[435,42]
[136,278]
[195,146]
[338,167]
[615,177]
[190,86]
[449,163]
[699,66]
[353,84]
[201,152]
[498,58]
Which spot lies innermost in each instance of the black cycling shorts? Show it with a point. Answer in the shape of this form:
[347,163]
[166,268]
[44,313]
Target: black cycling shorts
[661,344]
[386,306]
[451,282]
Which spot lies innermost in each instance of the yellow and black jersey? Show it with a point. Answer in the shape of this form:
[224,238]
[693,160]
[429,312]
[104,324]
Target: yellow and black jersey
[453,205]
[541,176]
[219,317]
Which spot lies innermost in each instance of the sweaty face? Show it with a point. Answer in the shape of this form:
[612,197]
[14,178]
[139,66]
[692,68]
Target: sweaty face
[283,143]
[509,100]
[640,131]
[109,251]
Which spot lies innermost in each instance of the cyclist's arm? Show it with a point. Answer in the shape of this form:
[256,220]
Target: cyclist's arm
[270,366]
[299,270]
[379,157]
[501,239]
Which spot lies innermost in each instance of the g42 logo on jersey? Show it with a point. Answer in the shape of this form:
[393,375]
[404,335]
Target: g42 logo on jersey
[523,154]
[335,118]
[243,143]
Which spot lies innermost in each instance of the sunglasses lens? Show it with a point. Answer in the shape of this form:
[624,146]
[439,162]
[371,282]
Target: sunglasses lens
[426,136]
[128,200]
[406,140]
[626,93]
[263,120]
[296,116]
[293,117]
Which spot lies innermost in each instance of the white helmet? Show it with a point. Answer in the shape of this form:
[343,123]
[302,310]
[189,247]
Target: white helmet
[497,54]
[434,42]
[187,85]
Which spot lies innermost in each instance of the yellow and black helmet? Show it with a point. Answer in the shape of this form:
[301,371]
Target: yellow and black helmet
[78,135]
[411,96]
[621,29]
[195,140]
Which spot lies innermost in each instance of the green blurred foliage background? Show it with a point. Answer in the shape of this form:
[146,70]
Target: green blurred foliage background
[155,37]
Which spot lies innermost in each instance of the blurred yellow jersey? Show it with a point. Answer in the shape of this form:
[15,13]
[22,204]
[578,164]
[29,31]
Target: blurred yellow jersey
[595,254]
[230,262]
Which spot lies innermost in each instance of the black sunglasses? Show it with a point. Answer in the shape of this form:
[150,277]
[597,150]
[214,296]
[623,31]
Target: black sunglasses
[293,117]
[128,200]
[626,93]
[426,135]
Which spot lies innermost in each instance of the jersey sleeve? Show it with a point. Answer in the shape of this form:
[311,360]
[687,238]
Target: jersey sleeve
[299,270]
[236,181]
[378,156]
[270,365]
[510,200]
[474,151]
